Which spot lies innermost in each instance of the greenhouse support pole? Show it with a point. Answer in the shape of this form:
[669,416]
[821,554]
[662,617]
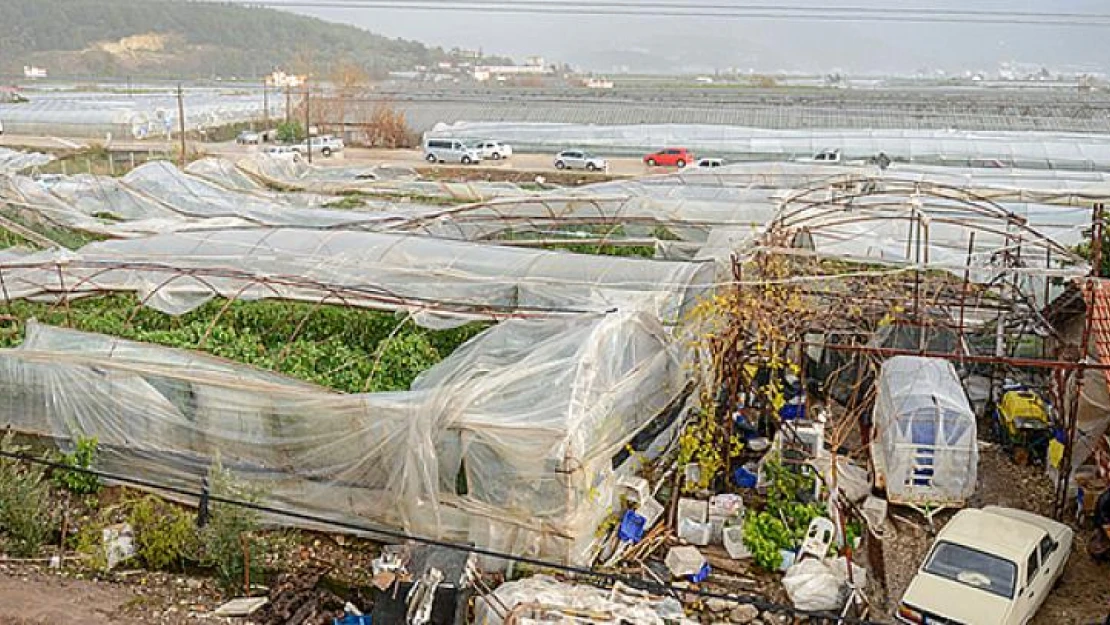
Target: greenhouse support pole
[181,121]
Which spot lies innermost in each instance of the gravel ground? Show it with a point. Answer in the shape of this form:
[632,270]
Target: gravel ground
[1083,594]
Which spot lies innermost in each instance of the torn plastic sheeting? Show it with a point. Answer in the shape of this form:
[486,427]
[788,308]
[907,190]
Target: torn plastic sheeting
[157,197]
[544,598]
[458,281]
[542,405]
[14,161]
[851,479]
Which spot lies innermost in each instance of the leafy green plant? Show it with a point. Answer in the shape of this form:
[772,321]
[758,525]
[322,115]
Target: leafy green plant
[26,516]
[765,536]
[783,522]
[230,543]
[83,456]
[165,535]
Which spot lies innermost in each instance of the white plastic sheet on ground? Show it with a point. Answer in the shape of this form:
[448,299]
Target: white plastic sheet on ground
[529,416]
[925,443]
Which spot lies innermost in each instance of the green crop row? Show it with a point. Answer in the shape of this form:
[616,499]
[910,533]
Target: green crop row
[347,349]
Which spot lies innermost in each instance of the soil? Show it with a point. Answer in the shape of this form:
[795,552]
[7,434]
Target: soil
[1083,594]
[33,595]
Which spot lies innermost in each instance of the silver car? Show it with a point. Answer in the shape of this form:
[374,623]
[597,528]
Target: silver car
[580,159]
[450,151]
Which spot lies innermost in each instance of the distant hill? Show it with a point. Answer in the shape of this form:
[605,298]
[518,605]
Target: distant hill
[177,39]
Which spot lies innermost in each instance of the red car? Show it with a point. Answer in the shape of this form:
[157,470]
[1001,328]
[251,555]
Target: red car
[670,157]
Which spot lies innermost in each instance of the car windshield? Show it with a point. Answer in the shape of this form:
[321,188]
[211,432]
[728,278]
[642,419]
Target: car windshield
[974,568]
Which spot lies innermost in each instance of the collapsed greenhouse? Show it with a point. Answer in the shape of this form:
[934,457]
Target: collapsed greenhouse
[518,440]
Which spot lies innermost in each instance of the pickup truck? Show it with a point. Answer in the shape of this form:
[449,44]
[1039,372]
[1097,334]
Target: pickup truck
[325,145]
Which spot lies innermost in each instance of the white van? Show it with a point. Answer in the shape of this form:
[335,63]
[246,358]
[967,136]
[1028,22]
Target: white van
[450,151]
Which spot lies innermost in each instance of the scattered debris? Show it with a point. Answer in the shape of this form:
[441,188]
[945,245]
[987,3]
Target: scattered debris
[242,606]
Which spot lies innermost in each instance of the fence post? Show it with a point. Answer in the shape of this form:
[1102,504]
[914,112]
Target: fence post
[202,505]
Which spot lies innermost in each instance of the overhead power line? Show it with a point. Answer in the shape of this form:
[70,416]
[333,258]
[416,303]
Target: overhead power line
[724,11]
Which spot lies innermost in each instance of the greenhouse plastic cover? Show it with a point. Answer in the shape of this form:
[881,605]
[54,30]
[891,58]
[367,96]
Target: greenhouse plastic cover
[926,432]
[157,197]
[133,116]
[1049,150]
[14,161]
[441,282]
[531,412]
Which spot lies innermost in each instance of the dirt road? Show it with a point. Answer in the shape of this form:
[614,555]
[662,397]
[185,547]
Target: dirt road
[538,163]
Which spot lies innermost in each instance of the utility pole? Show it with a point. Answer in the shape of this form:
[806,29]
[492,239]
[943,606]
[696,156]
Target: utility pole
[181,121]
[265,104]
[307,120]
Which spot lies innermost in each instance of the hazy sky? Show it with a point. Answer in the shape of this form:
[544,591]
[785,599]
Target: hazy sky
[667,43]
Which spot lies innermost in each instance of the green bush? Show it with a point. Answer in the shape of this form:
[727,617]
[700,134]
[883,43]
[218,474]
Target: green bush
[82,457]
[26,517]
[231,535]
[290,132]
[165,534]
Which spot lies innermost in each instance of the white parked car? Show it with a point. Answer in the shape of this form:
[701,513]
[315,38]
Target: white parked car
[989,566]
[710,162]
[248,137]
[282,151]
[493,150]
[825,157]
[580,159]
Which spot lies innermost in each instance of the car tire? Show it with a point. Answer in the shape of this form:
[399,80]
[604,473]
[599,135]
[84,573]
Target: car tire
[591,167]
[326,152]
[465,160]
[681,163]
[651,162]
[431,158]
[496,156]
[560,165]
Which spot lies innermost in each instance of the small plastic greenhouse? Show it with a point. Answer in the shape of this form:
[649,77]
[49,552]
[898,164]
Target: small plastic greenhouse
[924,449]
[513,442]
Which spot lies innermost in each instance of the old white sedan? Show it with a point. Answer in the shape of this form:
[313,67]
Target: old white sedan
[989,566]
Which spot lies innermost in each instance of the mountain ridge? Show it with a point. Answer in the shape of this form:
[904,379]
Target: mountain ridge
[182,39]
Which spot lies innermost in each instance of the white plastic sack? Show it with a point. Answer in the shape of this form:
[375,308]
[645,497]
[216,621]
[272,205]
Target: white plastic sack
[813,586]
[821,585]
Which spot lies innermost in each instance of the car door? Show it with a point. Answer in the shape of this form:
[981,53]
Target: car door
[1039,574]
[575,160]
[1052,563]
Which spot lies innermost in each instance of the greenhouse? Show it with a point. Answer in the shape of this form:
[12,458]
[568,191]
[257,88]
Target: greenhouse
[440,283]
[925,446]
[122,116]
[1033,150]
[528,415]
